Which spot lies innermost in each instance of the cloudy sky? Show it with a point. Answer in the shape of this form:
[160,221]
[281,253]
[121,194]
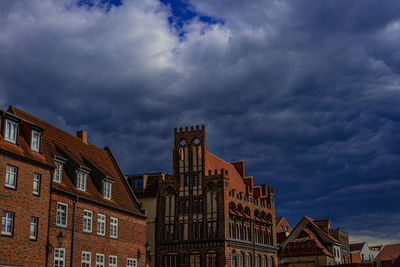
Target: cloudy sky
[306,92]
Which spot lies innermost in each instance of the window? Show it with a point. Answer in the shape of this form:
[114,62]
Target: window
[86,259]
[187,181]
[7,223]
[81,178]
[138,183]
[212,229]
[57,176]
[59,257]
[196,180]
[35,141]
[241,260]
[112,261]
[186,206]
[11,176]
[170,261]
[281,227]
[287,228]
[36,183]
[107,186]
[211,260]
[33,228]
[62,210]
[195,260]
[11,131]
[113,227]
[87,221]
[99,260]
[131,262]
[258,261]
[101,224]
[248,260]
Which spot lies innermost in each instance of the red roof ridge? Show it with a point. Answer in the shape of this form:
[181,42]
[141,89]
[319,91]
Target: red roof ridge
[23,113]
[319,229]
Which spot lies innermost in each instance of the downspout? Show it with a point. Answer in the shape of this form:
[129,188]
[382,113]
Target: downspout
[48,220]
[73,232]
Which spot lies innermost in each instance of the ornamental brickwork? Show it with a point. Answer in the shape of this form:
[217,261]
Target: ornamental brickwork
[208,212]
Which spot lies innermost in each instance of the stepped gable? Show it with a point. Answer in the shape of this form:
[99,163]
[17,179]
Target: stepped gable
[236,181]
[62,144]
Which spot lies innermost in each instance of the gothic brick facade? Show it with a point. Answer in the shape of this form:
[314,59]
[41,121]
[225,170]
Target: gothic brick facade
[208,212]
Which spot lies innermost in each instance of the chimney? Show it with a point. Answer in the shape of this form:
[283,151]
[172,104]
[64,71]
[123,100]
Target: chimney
[82,135]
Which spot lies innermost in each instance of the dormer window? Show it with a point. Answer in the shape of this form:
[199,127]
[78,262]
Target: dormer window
[107,187]
[58,172]
[11,131]
[107,190]
[81,180]
[35,141]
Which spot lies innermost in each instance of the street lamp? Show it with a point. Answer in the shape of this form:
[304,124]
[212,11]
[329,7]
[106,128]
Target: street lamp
[60,239]
[148,256]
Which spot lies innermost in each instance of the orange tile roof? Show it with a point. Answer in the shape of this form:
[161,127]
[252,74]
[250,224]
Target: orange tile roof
[389,252]
[61,143]
[236,180]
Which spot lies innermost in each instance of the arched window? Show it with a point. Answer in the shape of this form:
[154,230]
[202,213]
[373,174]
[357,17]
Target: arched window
[195,259]
[258,261]
[264,261]
[241,259]
[233,259]
[248,260]
[271,260]
[211,259]
[171,260]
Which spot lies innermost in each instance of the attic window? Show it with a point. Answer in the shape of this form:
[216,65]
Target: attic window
[11,131]
[35,141]
[81,180]
[107,190]
[58,172]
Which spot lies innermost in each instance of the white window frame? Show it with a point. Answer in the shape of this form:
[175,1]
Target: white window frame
[7,132]
[7,218]
[81,180]
[111,262]
[11,172]
[101,224]
[87,221]
[66,215]
[113,227]
[86,260]
[57,175]
[131,262]
[35,135]
[37,177]
[107,190]
[100,260]
[59,256]
[33,229]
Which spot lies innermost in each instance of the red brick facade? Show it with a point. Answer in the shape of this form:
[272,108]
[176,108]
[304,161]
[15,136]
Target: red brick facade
[209,212]
[89,181]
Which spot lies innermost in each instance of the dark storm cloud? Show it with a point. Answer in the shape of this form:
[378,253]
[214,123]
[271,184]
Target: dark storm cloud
[306,92]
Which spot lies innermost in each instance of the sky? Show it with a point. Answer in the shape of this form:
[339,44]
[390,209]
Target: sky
[306,92]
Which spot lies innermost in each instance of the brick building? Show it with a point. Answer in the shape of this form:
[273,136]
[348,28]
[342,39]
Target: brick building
[209,213]
[283,229]
[311,243]
[85,213]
